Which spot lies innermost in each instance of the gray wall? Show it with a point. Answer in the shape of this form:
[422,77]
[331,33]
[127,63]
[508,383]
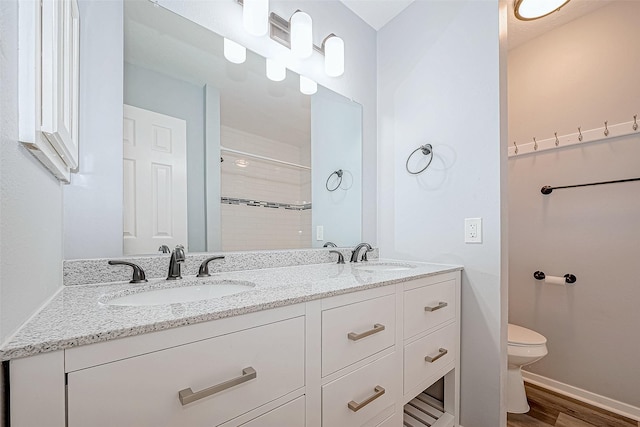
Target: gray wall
[336,143]
[592,327]
[30,202]
[150,90]
[441,80]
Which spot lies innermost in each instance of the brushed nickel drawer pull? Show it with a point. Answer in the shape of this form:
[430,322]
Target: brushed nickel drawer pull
[376,328]
[441,352]
[355,406]
[440,305]
[187,395]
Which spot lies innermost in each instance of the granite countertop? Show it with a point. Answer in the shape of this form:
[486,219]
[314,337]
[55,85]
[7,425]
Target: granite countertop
[78,315]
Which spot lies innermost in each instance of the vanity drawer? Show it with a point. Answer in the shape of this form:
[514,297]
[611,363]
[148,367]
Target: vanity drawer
[355,331]
[429,306]
[441,349]
[291,414]
[374,383]
[143,390]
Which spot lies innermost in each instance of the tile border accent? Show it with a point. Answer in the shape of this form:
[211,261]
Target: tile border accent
[261,203]
[582,395]
[91,271]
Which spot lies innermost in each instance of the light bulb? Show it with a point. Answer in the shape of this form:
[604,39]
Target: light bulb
[334,56]
[255,16]
[275,70]
[308,86]
[301,34]
[527,10]
[234,52]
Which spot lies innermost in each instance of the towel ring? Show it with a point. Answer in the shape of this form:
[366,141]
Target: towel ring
[339,174]
[427,150]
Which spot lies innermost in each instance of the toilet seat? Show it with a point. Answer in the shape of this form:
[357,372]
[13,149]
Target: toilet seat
[519,336]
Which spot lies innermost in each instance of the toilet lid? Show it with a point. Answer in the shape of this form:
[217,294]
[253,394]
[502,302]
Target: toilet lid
[522,336]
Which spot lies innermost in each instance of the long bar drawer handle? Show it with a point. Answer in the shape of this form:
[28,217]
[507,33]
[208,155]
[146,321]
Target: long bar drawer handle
[355,406]
[376,328]
[187,395]
[441,352]
[440,305]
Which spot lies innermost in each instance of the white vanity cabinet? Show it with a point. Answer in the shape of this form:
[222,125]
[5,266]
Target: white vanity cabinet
[353,360]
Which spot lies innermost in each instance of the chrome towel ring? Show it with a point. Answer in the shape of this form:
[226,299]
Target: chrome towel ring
[427,150]
[339,174]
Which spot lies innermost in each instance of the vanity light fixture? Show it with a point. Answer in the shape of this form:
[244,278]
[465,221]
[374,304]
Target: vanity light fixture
[234,52]
[301,34]
[308,86]
[333,47]
[255,16]
[528,10]
[275,70]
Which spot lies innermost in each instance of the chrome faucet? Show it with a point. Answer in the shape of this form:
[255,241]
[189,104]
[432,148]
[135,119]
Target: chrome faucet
[357,249]
[164,249]
[177,257]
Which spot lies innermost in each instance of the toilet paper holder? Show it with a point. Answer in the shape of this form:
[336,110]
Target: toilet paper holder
[568,278]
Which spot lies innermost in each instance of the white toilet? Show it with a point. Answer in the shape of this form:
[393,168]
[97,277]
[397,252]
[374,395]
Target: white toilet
[525,347]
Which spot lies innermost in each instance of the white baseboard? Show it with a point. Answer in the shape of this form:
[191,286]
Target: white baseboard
[585,396]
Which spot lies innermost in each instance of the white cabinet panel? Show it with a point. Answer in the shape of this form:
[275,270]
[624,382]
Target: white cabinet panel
[143,390]
[429,306]
[288,415]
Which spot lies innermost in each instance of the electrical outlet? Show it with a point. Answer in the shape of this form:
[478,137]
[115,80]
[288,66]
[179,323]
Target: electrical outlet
[319,232]
[473,230]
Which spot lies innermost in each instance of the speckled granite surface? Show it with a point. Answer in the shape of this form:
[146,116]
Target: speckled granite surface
[88,271]
[78,315]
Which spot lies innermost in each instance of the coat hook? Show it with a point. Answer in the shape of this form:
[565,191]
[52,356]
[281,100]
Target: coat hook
[557,142]
[535,144]
[516,145]
[579,135]
[635,122]
[606,129]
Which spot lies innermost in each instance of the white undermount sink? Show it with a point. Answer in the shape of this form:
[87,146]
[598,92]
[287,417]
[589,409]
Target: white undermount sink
[182,294]
[384,266]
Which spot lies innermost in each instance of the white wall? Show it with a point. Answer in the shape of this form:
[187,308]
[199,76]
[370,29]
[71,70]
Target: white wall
[592,232]
[336,143]
[93,200]
[30,202]
[164,94]
[441,81]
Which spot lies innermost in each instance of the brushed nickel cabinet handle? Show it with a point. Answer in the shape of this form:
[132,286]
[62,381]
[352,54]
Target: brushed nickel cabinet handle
[440,305]
[441,352]
[355,406]
[376,328]
[187,395]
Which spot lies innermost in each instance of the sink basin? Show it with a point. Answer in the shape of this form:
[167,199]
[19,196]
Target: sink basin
[181,294]
[385,266]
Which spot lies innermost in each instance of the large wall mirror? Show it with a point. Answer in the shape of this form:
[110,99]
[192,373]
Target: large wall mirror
[219,157]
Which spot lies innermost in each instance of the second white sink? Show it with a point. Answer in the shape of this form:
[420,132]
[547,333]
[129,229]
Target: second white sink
[182,294]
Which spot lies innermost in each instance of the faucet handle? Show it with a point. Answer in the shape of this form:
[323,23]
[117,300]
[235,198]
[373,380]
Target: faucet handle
[340,257]
[364,255]
[329,245]
[164,249]
[204,267]
[138,272]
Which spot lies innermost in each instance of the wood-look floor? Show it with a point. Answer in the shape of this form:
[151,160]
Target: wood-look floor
[552,409]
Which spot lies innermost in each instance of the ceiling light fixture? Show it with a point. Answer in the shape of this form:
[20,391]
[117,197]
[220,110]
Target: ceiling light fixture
[308,86]
[528,10]
[301,34]
[234,52]
[333,47]
[255,16]
[275,70]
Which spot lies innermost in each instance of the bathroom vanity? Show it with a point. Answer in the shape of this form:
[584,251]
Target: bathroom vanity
[312,345]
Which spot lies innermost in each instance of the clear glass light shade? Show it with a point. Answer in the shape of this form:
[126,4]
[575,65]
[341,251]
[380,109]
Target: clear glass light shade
[255,16]
[234,52]
[275,70]
[301,34]
[308,86]
[527,10]
[334,56]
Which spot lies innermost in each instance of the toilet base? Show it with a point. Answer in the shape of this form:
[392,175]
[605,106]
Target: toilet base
[516,396]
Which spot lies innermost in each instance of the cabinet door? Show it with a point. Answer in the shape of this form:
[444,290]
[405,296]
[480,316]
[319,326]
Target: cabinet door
[290,414]
[246,369]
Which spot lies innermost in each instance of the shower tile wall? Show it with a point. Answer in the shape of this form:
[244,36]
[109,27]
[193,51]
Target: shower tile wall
[250,227]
